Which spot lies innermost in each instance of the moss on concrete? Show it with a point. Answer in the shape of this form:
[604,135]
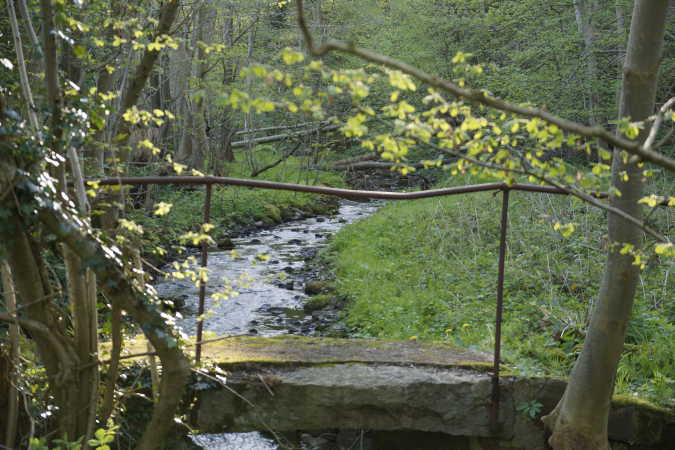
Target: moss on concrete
[303,350]
[619,401]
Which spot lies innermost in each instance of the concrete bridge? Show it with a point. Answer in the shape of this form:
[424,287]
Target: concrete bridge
[292,383]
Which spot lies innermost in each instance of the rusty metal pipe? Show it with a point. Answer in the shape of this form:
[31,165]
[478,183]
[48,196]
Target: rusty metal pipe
[202,283]
[494,407]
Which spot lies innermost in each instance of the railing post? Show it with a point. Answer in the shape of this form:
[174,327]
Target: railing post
[494,407]
[202,283]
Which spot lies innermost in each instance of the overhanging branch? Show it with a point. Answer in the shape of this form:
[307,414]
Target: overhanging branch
[633,147]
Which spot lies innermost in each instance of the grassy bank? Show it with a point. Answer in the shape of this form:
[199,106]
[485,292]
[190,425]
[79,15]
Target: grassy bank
[427,270]
[235,209]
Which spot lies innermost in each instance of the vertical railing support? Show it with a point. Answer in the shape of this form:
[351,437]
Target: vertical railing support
[202,283]
[494,407]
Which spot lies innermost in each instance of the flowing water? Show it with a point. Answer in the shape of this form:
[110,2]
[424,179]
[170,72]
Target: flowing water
[264,268]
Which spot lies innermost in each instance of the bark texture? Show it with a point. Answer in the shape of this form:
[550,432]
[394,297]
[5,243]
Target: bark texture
[579,422]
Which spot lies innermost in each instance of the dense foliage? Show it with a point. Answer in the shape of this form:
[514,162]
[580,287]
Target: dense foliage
[98,89]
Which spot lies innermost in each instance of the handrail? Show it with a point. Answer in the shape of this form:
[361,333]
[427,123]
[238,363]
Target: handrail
[337,192]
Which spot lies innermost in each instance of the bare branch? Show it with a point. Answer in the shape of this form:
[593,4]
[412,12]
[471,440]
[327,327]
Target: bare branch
[649,142]
[484,98]
[665,139]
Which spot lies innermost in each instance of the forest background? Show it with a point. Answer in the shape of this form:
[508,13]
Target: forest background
[163,88]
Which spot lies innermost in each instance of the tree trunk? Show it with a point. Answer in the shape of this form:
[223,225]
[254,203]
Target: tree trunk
[55,348]
[227,129]
[21,63]
[205,21]
[585,10]
[185,74]
[12,411]
[579,421]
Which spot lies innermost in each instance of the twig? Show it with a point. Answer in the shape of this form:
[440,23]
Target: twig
[284,157]
[657,122]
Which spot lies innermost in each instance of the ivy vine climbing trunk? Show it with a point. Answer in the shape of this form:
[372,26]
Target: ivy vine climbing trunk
[579,421]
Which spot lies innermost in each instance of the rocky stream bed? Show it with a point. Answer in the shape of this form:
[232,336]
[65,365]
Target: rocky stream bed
[271,270]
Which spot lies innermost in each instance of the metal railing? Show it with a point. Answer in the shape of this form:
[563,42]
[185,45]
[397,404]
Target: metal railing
[209,181]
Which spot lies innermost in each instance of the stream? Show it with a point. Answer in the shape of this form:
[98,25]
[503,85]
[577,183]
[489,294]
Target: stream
[267,268]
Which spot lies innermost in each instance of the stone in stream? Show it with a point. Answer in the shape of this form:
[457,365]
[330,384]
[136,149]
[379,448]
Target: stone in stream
[314,287]
[225,243]
[174,303]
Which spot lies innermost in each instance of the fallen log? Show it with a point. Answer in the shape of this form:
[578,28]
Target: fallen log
[367,165]
[366,157]
[282,127]
[278,137]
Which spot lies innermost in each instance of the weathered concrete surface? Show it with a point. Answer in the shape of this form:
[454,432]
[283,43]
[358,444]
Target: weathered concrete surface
[351,396]
[292,383]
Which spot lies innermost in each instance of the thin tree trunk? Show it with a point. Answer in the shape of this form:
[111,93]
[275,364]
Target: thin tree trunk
[621,43]
[84,316]
[12,414]
[21,63]
[227,129]
[579,422]
[54,101]
[204,30]
[248,117]
[186,150]
[23,9]
[585,12]
[111,376]
[104,84]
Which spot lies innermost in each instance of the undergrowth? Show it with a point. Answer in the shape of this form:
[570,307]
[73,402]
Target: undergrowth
[427,270]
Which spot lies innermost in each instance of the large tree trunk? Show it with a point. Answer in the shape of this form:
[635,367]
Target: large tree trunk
[579,422]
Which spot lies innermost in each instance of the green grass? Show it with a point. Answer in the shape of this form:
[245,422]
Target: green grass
[428,269]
